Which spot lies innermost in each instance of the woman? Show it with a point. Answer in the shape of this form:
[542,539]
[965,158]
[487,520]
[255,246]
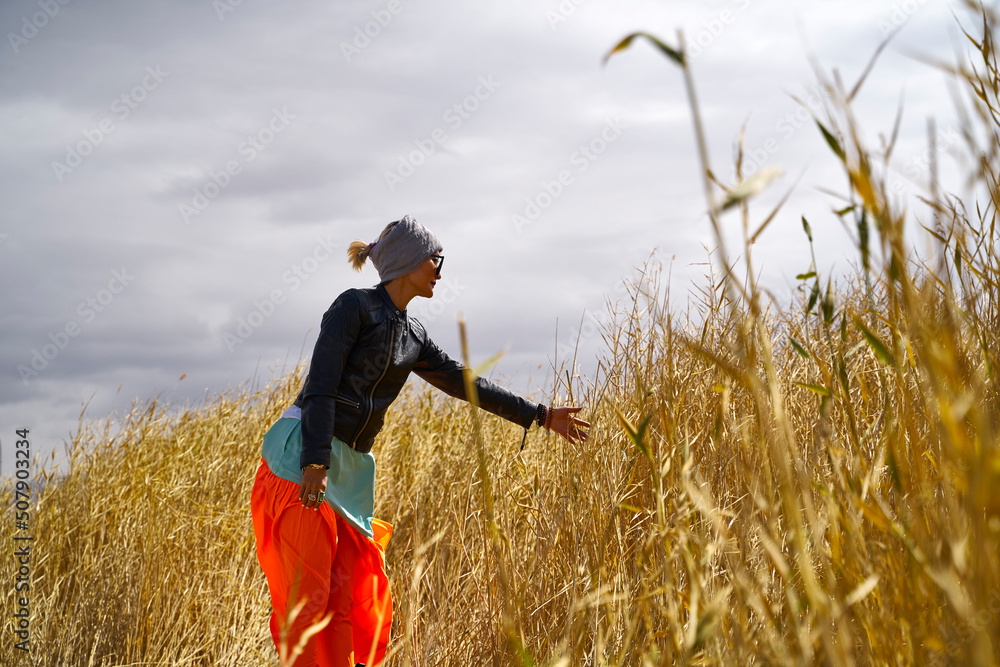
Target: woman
[313,499]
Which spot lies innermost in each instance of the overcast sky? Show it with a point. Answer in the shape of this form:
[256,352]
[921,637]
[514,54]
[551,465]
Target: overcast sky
[181,179]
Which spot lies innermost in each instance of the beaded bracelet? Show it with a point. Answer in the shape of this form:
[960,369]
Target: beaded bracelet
[541,414]
[548,418]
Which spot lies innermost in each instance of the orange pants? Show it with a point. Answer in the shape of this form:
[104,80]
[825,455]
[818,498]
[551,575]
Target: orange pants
[322,567]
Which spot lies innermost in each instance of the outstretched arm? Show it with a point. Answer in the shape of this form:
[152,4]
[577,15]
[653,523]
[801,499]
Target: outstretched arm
[440,370]
[443,372]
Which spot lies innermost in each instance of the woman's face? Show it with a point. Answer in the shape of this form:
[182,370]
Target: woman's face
[424,277]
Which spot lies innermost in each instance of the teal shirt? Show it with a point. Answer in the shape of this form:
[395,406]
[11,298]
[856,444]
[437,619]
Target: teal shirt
[350,479]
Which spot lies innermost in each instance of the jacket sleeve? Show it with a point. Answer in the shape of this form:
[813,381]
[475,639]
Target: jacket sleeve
[337,335]
[445,373]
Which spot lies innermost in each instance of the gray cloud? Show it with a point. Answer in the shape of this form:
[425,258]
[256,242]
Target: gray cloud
[322,177]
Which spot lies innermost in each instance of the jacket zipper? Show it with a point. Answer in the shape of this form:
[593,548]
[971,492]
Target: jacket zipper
[371,394]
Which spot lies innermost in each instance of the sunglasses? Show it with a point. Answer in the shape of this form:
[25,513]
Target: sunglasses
[438,262]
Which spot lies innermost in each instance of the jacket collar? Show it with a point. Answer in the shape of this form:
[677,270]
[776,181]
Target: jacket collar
[387,300]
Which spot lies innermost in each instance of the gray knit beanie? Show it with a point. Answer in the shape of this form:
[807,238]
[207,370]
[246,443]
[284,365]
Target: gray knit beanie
[407,245]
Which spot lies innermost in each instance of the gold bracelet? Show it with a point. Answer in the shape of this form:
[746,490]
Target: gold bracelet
[314,466]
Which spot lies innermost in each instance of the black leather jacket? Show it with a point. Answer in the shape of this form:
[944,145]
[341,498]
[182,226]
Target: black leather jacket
[365,351]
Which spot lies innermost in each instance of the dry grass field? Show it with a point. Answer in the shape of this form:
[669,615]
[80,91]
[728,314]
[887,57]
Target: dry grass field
[812,484]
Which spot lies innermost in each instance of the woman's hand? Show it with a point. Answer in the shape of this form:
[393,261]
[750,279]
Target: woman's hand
[313,483]
[568,426]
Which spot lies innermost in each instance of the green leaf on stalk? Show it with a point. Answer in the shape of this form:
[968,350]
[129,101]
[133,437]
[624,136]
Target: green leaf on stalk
[813,296]
[882,352]
[890,461]
[797,346]
[521,651]
[815,388]
[806,276]
[894,272]
[844,211]
[832,142]
[671,53]
[828,303]
[636,435]
[863,239]
[807,228]
[705,628]
[845,381]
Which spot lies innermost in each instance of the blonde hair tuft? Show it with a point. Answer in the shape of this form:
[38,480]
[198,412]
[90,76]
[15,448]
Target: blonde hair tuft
[359,251]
